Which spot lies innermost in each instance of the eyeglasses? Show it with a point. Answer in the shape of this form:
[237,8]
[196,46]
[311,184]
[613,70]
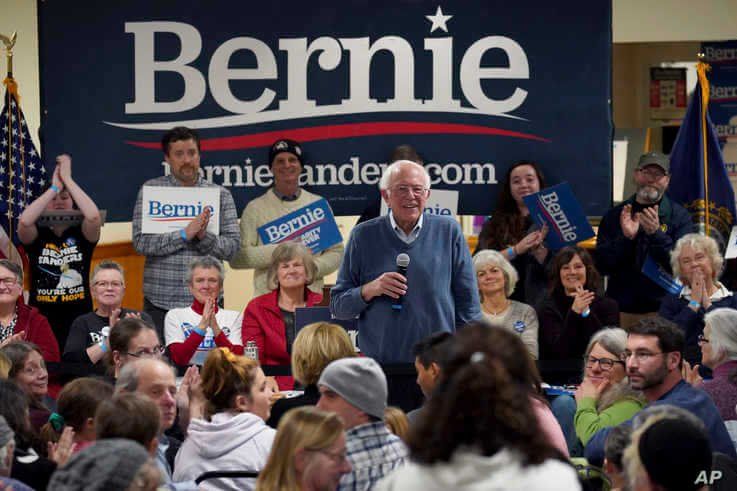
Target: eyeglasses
[640,356]
[9,282]
[702,339]
[606,364]
[146,353]
[653,173]
[109,284]
[403,190]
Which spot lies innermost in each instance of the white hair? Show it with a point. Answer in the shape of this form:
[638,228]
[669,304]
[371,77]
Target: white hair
[496,258]
[393,169]
[723,338]
[699,242]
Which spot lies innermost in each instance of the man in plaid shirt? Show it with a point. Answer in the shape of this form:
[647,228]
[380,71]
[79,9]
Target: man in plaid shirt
[356,390]
[168,255]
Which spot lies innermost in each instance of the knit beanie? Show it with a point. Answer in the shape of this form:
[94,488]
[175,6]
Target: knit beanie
[107,465]
[290,146]
[360,381]
[674,454]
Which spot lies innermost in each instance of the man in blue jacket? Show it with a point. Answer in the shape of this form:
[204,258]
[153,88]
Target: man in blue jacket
[647,224]
[653,358]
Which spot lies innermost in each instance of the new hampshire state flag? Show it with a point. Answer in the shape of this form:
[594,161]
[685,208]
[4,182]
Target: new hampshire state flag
[698,175]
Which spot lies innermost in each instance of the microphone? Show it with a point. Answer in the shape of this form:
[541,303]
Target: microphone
[402,263]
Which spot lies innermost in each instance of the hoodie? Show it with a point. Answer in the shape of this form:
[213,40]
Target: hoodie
[230,441]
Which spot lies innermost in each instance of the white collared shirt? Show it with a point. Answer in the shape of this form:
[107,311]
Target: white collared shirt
[406,238]
[721,292]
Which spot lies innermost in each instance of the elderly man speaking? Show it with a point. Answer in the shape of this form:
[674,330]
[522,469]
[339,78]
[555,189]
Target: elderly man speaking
[436,291]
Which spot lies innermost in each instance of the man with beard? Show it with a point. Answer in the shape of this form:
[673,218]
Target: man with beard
[647,225]
[653,359]
[168,254]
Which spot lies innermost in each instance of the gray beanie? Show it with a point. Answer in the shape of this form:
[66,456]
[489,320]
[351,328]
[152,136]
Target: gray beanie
[360,381]
[108,465]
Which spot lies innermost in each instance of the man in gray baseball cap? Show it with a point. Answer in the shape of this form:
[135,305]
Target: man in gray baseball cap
[642,229]
[356,390]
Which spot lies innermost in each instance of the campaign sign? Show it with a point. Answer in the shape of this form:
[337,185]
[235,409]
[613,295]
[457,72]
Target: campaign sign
[722,57]
[473,86]
[659,276]
[313,224]
[166,209]
[558,208]
[440,202]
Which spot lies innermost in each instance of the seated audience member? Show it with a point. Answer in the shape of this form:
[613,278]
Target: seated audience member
[131,416]
[75,408]
[18,321]
[309,453]
[481,420]
[155,379]
[497,279]
[69,246]
[108,465]
[428,354]
[719,353]
[653,359]
[315,346]
[604,397]
[28,370]
[29,464]
[88,336]
[616,442]
[269,319]
[356,390]
[697,262]
[7,447]
[130,340]
[668,454]
[511,231]
[235,436]
[191,332]
[396,421]
[574,308]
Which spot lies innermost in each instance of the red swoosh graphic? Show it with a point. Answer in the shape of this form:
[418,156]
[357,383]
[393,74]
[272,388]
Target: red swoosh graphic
[333,132]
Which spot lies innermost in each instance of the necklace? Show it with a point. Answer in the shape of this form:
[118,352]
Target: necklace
[505,306]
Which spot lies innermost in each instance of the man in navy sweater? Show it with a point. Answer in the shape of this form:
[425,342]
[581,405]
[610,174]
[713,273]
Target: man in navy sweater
[438,291]
[653,358]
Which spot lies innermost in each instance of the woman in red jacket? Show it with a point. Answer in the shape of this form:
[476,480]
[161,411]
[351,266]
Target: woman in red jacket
[269,319]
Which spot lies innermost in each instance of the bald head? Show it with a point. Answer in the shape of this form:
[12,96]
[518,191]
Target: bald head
[393,170]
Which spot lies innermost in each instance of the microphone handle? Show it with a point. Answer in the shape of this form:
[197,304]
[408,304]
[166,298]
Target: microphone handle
[397,302]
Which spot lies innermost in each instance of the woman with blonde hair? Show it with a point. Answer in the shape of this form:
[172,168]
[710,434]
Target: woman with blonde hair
[235,435]
[269,320]
[309,453]
[315,346]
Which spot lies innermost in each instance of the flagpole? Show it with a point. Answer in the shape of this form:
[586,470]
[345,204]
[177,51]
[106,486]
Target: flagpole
[11,93]
[701,69]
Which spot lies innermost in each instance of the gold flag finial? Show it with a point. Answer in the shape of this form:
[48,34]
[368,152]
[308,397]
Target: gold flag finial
[8,43]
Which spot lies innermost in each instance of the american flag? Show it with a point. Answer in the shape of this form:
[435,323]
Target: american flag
[22,174]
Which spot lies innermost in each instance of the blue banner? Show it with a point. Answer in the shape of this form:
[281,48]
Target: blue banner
[313,224]
[698,176]
[660,276]
[722,57]
[558,208]
[474,86]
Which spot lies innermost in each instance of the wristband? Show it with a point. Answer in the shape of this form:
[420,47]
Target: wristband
[54,188]
[694,304]
[102,346]
[183,234]
[586,312]
[199,331]
[511,253]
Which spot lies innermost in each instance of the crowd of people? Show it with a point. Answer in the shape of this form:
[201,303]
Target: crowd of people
[179,395]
